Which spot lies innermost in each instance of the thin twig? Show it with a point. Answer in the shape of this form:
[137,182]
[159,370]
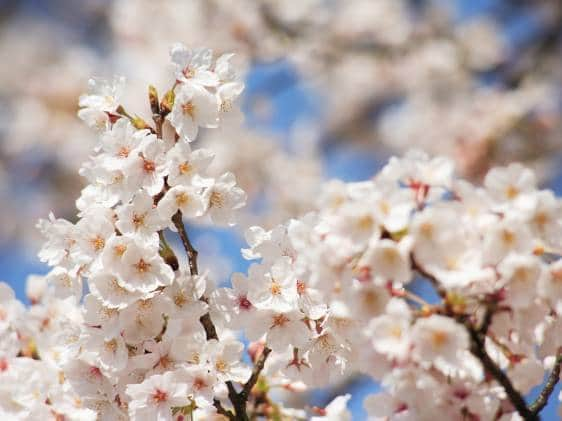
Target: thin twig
[220,409]
[238,399]
[209,327]
[541,401]
[487,319]
[258,367]
[432,279]
[478,349]
[238,402]
[189,249]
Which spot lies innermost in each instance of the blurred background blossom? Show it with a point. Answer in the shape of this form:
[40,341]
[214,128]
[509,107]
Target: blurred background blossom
[334,87]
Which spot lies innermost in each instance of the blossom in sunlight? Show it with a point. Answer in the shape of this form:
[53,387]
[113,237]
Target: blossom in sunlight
[126,326]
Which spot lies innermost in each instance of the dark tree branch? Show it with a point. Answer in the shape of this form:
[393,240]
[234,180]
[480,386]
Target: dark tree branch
[220,409]
[487,319]
[209,327]
[479,351]
[477,337]
[429,277]
[239,400]
[541,401]
[189,249]
[258,367]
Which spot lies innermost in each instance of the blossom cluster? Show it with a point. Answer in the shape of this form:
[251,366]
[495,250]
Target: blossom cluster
[364,55]
[333,292]
[391,75]
[134,343]
[123,327]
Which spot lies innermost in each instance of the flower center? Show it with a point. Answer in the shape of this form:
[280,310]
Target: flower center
[301,287]
[221,366]
[185,168]
[142,266]
[138,220]
[365,222]
[123,152]
[111,345]
[159,396]
[119,249]
[97,243]
[426,229]
[275,288]
[188,109]
[279,320]
[244,303]
[390,256]
[439,338]
[226,106]
[511,192]
[216,199]
[189,72]
[94,372]
[371,299]
[199,383]
[508,237]
[108,313]
[522,275]
[148,166]
[541,219]
[182,199]
[396,331]
[179,299]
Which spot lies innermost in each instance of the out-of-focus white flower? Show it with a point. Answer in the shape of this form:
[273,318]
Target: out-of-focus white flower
[336,410]
[439,341]
[103,98]
[193,66]
[223,197]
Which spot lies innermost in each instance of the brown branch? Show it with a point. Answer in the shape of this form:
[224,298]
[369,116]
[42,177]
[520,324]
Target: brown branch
[541,401]
[220,409]
[258,367]
[189,249]
[209,327]
[477,348]
[479,351]
[238,399]
[487,319]
[429,277]
[238,402]
[192,254]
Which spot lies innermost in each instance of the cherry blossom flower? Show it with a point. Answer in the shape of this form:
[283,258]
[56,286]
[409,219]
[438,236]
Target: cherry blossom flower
[155,397]
[329,295]
[184,163]
[193,66]
[139,217]
[223,198]
[188,200]
[103,98]
[194,107]
[143,270]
